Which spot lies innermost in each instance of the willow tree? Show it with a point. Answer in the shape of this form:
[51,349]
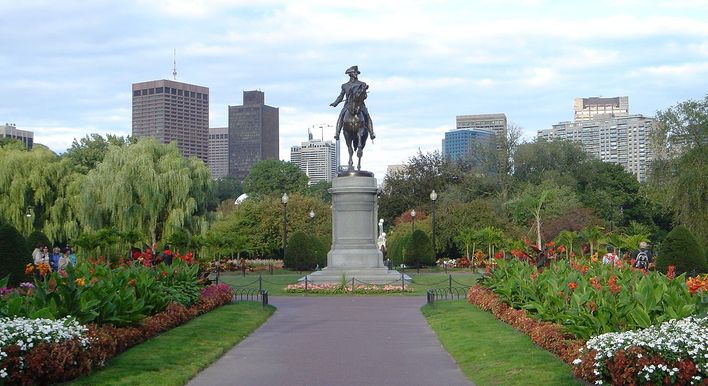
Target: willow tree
[147,187]
[35,192]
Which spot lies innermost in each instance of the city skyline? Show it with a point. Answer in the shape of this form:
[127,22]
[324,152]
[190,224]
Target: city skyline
[67,67]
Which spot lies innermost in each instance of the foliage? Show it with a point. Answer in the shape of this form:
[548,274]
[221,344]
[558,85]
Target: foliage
[541,160]
[14,253]
[320,190]
[419,250]
[274,177]
[679,176]
[396,243]
[227,188]
[89,151]
[92,292]
[673,352]
[37,238]
[146,187]
[304,252]
[42,184]
[49,363]
[260,222]
[592,298]
[681,249]
[536,203]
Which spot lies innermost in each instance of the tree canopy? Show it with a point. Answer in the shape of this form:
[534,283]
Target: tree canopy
[274,177]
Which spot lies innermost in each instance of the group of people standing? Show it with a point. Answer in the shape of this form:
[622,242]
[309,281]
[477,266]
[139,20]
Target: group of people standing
[640,259]
[57,258]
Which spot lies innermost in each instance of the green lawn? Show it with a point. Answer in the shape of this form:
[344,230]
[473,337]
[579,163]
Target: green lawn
[176,356]
[490,352]
[275,284]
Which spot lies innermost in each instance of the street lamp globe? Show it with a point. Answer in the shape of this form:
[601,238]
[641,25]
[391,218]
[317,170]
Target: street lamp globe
[312,214]
[284,199]
[433,196]
[413,213]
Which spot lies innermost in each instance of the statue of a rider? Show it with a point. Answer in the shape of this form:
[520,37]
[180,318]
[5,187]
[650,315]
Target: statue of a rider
[354,82]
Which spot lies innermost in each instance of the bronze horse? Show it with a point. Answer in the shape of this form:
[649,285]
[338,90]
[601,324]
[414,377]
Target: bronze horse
[354,124]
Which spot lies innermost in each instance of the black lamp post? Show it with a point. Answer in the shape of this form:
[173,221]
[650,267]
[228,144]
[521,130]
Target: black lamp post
[433,198]
[413,217]
[284,200]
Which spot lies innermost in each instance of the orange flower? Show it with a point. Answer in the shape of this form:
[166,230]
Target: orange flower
[44,269]
[697,284]
[595,283]
[572,285]
[29,268]
[131,282]
[671,273]
[80,282]
[614,287]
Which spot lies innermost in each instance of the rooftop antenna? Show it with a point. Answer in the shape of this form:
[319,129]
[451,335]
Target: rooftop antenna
[174,68]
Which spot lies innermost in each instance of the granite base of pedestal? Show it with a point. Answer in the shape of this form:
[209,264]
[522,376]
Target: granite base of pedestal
[377,276]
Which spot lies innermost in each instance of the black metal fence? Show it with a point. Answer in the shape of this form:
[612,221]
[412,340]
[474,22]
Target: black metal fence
[448,293]
[250,294]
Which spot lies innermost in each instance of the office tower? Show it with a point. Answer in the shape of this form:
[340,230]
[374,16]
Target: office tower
[171,111]
[493,122]
[587,108]
[9,130]
[611,137]
[253,133]
[317,158]
[461,143]
[218,152]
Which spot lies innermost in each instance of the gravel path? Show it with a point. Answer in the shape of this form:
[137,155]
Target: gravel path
[332,341]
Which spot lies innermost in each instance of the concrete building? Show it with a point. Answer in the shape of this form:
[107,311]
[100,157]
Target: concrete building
[588,108]
[317,158]
[172,111]
[9,130]
[616,137]
[218,152]
[494,122]
[461,143]
[254,132]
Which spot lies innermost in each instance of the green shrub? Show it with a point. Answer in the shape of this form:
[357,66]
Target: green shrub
[304,252]
[14,254]
[681,249]
[396,246]
[419,250]
[37,238]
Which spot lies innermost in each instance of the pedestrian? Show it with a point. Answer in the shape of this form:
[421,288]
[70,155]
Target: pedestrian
[63,260]
[72,255]
[643,257]
[37,254]
[610,257]
[54,258]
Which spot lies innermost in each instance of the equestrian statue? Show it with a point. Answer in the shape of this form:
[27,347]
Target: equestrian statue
[354,117]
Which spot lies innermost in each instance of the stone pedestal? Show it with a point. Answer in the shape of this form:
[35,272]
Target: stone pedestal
[354,222]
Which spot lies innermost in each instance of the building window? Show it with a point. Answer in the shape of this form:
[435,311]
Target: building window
[136,93]
[159,90]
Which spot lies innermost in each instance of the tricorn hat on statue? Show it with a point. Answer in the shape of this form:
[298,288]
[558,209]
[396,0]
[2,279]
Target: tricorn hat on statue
[352,69]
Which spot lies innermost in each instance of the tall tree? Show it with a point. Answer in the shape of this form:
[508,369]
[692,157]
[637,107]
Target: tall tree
[147,187]
[679,177]
[541,160]
[274,177]
[537,203]
[87,152]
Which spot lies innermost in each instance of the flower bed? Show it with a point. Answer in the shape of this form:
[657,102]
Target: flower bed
[332,289]
[52,361]
[252,265]
[674,353]
[589,298]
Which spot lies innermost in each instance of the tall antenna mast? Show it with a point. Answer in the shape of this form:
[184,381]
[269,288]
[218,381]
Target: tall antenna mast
[174,68]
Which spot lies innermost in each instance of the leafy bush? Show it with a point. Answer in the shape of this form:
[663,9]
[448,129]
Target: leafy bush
[593,298]
[37,238]
[396,246]
[681,249]
[92,292]
[304,252]
[419,250]
[14,253]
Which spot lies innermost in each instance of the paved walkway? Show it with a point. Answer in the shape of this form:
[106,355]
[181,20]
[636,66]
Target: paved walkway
[332,341]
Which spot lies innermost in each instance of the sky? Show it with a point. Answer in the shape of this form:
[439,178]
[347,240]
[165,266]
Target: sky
[66,67]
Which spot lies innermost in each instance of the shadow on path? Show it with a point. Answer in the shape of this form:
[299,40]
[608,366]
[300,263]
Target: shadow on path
[333,341]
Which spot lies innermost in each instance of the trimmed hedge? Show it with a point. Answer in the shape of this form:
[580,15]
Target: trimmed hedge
[681,249]
[419,250]
[14,254]
[304,252]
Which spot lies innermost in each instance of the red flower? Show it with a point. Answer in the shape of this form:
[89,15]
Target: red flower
[614,287]
[671,273]
[595,283]
[572,285]
[499,255]
[534,275]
